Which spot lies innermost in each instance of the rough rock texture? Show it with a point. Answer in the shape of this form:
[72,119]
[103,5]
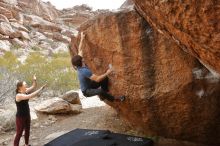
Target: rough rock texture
[195,25]
[58,106]
[5,28]
[127,4]
[19,27]
[72,97]
[41,24]
[7,118]
[76,15]
[169,93]
[39,8]
[9,10]
[3,18]
[31,24]
[12,2]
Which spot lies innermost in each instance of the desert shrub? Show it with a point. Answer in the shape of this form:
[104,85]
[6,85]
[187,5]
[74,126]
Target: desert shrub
[36,48]
[15,46]
[9,61]
[56,71]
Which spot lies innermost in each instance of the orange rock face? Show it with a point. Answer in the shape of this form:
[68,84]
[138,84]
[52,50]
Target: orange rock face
[194,24]
[169,93]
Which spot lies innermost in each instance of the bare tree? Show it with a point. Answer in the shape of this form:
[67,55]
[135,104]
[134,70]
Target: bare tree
[7,86]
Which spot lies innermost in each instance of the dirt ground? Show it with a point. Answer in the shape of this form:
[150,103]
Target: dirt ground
[49,127]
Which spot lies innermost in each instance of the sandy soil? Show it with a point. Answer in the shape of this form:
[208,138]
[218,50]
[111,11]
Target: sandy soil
[46,128]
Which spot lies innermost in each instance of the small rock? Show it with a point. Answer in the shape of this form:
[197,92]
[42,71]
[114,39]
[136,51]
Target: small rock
[52,118]
[42,126]
[13,20]
[72,97]
[36,125]
[5,143]
[33,138]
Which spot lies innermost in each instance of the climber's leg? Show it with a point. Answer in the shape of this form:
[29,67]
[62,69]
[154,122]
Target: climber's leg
[103,84]
[102,93]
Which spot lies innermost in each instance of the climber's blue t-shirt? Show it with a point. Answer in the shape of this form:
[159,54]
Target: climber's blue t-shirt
[84,74]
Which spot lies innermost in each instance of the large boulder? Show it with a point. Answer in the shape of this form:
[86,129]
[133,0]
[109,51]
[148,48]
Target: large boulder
[58,106]
[17,42]
[169,93]
[6,29]
[193,24]
[19,27]
[20,34]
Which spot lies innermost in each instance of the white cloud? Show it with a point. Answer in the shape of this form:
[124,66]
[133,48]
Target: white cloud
[95,4]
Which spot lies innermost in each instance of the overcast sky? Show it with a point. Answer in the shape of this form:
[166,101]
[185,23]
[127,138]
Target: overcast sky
[95,4]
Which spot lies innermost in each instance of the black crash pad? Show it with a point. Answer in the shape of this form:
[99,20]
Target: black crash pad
[85,137]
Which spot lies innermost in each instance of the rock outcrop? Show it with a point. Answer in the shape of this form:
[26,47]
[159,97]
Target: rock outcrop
[76,16]
[194,25]
[6,29]
[127,3]
[32,24]
[169,93]
[37,7]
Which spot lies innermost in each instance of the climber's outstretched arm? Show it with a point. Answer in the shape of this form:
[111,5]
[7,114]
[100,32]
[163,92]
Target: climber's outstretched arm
[82,37]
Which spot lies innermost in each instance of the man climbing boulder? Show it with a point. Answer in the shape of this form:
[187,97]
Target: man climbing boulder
[90,83]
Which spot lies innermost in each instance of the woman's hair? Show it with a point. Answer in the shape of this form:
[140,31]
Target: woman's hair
[77,61]
[19,84]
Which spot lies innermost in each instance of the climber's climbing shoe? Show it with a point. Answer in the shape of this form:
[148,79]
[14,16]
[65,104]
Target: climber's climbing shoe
[122,98]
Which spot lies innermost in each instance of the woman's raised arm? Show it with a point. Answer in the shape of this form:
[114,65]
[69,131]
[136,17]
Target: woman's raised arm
[20,97]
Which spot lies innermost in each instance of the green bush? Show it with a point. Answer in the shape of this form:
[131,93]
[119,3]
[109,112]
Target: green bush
[36,48]
[9,61]
[56,71]
[15,46]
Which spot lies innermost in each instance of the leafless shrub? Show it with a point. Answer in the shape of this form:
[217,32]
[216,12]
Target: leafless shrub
[7,86]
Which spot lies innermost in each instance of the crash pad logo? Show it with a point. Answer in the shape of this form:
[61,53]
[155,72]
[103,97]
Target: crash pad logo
[135,139]
[91,133]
